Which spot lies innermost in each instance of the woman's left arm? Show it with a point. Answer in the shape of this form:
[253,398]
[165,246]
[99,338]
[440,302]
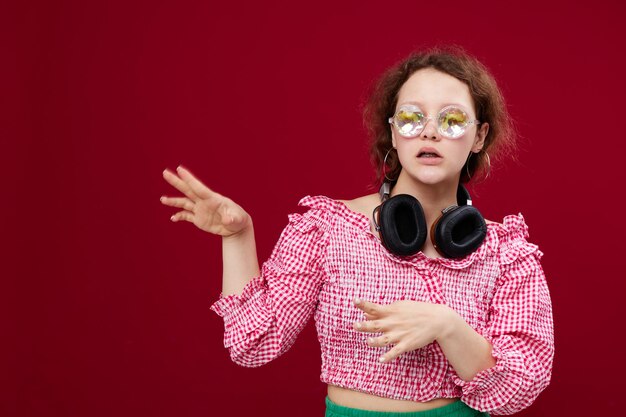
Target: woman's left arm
[521,332]
[467,351]
[501,371]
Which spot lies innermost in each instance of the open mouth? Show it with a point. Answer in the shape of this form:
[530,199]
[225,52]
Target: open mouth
[428,153]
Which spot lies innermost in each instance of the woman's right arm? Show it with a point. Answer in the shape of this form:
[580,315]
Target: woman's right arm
[239,260]
[263,310]
[216,214]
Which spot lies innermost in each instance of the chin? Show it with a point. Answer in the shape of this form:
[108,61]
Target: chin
[431,177]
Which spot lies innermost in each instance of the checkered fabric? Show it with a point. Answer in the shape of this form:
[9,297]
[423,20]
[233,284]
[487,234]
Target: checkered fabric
[328,256]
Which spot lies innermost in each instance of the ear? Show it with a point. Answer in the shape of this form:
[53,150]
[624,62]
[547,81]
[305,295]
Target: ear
[393,139]
[481,135]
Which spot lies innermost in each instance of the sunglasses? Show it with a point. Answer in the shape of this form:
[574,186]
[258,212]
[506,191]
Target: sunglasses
[452,121]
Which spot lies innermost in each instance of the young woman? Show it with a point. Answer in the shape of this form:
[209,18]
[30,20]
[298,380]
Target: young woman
[421,307]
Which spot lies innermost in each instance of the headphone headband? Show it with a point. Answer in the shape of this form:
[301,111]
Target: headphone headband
[463,197]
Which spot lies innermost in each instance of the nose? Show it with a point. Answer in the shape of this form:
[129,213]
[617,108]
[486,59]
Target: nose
[430,130]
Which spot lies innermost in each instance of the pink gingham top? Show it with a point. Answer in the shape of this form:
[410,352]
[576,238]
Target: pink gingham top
[328,256]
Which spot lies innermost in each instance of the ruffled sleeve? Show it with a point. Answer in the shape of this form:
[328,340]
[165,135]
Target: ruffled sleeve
[263,321]
[520,329]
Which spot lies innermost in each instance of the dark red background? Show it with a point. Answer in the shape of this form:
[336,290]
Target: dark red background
[105,310]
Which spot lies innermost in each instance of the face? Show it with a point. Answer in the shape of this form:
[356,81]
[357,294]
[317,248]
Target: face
[430,157]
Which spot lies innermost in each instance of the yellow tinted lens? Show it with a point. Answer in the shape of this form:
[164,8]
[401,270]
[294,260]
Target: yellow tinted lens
[452,122]
[409,122]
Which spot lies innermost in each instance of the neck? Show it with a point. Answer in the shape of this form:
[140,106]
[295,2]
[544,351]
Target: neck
[433,197]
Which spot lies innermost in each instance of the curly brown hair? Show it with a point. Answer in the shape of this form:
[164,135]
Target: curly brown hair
[486,96]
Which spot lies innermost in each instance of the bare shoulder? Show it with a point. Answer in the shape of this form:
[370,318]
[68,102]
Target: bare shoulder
[490,222]
[364,204]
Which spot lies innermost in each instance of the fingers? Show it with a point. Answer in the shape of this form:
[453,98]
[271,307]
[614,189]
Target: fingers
[369,316]
[383,319]
[369,307]
[182,215]
[180,202]
[381,341]
[370,326]
[393,353]
[196,186]
[371,311]
[179,184]
[387,340]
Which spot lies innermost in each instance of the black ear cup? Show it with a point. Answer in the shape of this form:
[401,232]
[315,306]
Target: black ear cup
[459,232]
[402,225]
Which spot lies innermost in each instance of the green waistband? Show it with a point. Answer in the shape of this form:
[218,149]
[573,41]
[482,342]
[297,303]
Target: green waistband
[456,409]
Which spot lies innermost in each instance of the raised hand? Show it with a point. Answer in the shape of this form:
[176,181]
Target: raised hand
[208,210]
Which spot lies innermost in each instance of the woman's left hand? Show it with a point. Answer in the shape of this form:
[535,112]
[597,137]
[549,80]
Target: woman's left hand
[407,324]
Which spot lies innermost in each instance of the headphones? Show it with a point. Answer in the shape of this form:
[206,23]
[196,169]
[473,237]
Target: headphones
[459,230]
